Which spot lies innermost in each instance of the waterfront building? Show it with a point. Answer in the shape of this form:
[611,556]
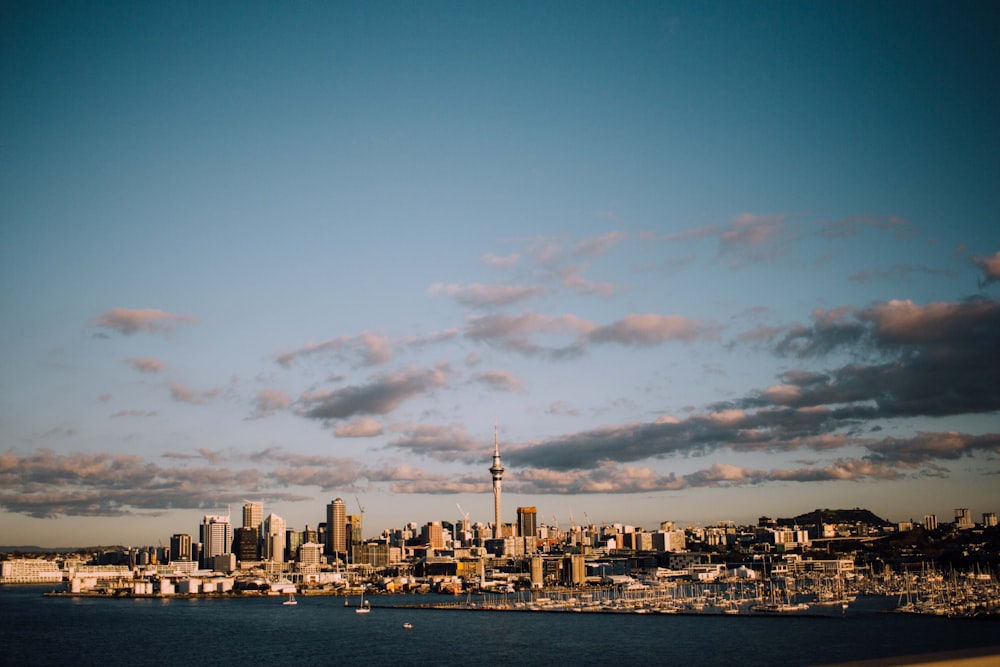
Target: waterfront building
[216,537]
[29,571]
[527,521]
[496,471]
[310,554]
[180,547]
[336,527]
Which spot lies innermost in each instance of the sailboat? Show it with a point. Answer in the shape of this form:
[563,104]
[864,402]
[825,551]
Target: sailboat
[364,607]
[291,599]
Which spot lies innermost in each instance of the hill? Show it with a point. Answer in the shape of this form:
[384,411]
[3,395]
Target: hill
[854,516]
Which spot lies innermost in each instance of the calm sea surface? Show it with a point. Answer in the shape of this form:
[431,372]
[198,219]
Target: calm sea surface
[35,630]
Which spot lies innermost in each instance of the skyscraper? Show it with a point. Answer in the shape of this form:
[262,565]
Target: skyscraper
[336,527]
[216,537]
[180,547]
[253,515]
[496,470]
[274,538]
[527,518]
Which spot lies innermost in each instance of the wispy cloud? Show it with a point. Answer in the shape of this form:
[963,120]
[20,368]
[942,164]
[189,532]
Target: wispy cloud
[183,394]
[366,349]
[269,401]
[128,321]
[478,295]
[647,330]
[746,239]
[900,227]
[499,380]
[500,262]
[365,427]
[901,272]
[146,364]
[134,413]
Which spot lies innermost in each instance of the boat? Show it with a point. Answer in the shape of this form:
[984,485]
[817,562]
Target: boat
[291,599]
[407,626]
[364,607]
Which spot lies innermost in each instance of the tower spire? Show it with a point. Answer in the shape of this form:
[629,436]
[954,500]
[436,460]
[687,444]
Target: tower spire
[496,470]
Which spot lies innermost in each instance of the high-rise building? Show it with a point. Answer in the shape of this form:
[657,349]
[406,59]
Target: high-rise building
[930,522]
[180,547]
[253,515]
[963,519]
[496,470]
[353,535]
[527,521]
[989,519]
[274,538]
[336,527]
[216,536]
[433,535]
[245,545]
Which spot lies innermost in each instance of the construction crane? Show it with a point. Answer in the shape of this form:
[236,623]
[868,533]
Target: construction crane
[360,506]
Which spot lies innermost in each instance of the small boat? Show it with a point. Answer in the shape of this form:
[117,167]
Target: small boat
[364,607]
[291,599]
[407,626]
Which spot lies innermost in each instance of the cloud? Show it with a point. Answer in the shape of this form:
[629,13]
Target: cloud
[365,427]
[561,408]
[515,332]
[572,278]
[747,238]
[500,262]
[366,349]
[183,394]
[128,321]
[499,380]
[135,413]
[45,485]
[901,272]
[431,338]
[487,296]
[852,226]
[381,396]
[648,330]
[146,364]
[269,401]
[990,267]
[598,245]
[442,443]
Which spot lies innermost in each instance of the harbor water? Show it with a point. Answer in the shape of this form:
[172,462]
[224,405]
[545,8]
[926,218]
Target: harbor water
[39,630]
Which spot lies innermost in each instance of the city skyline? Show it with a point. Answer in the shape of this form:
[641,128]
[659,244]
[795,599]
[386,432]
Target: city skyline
[696,263]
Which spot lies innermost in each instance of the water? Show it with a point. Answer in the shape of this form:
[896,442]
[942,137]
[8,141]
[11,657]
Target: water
[35,630]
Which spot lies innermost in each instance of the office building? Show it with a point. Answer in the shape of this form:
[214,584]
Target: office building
[180,547]
[216,537]
[527,521]
[336,528]
[274,538]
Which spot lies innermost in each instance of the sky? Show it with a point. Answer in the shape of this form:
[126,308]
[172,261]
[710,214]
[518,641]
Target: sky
[694,262]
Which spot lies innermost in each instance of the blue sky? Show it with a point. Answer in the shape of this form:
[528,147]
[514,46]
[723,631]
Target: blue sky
[701,261]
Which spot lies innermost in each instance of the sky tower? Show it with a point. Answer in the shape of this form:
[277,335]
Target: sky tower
[497,471]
